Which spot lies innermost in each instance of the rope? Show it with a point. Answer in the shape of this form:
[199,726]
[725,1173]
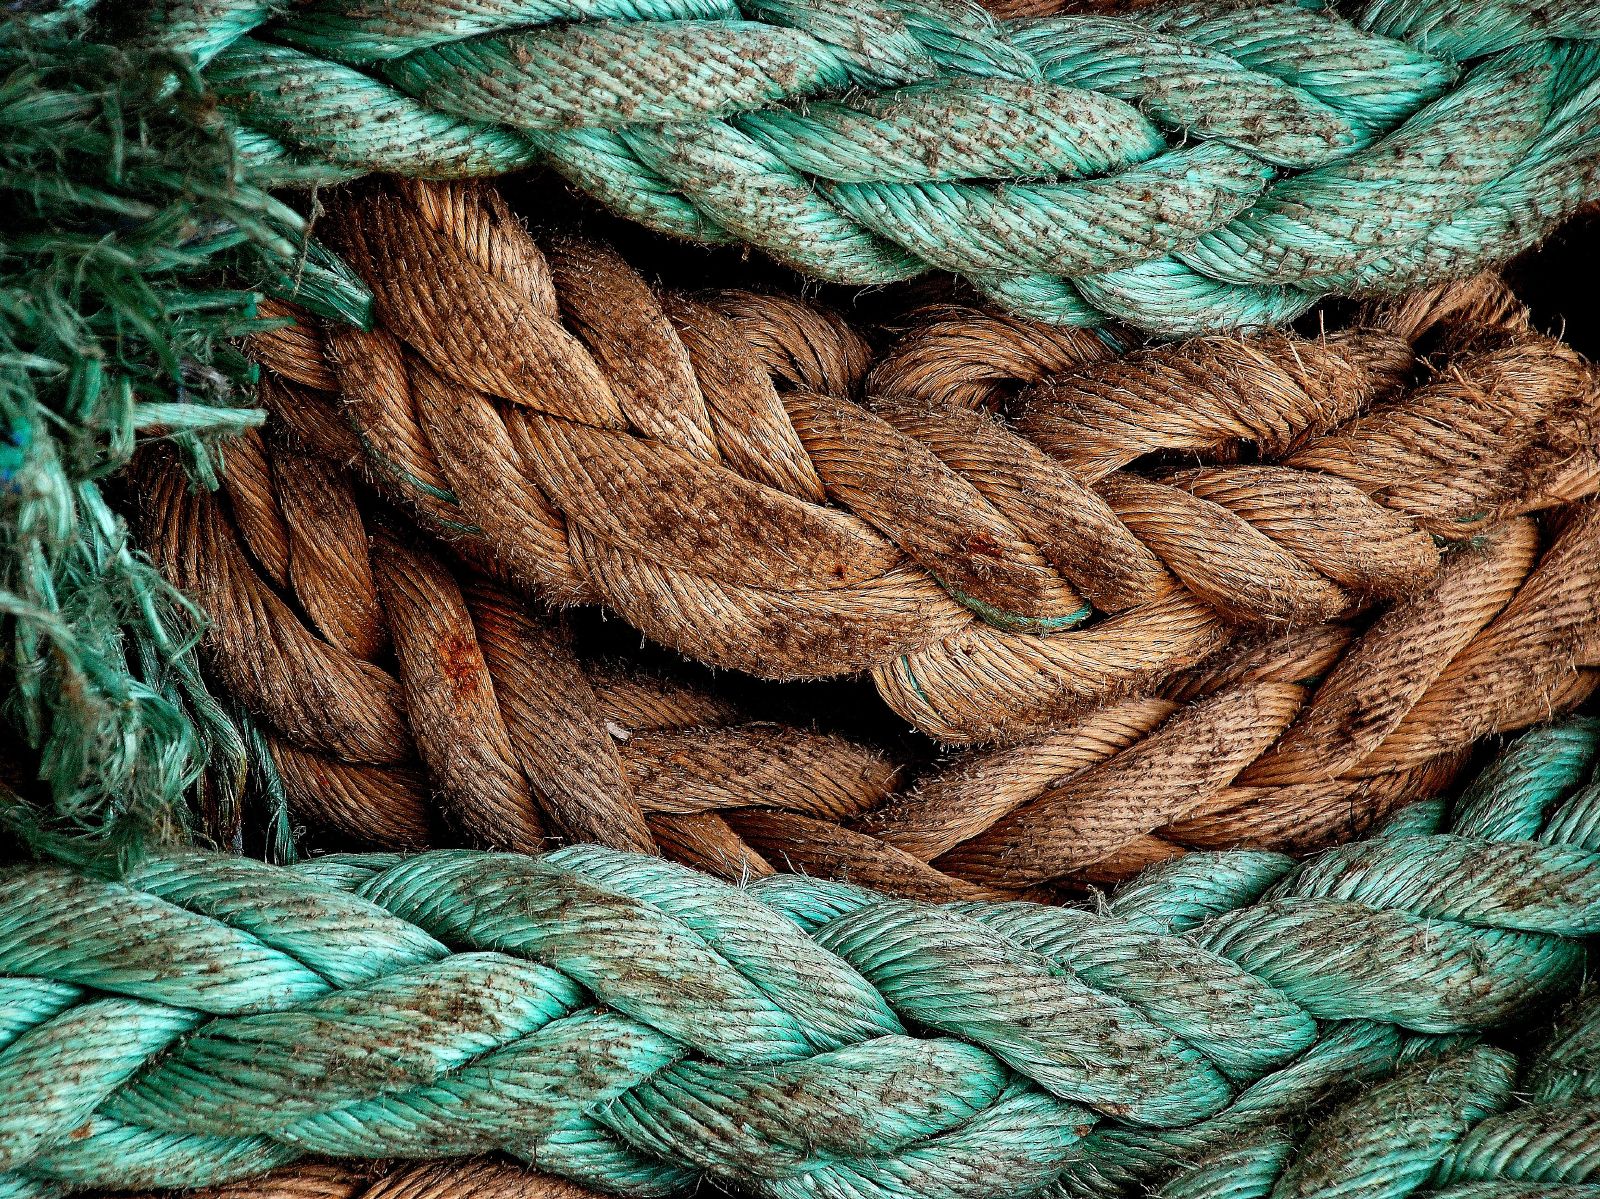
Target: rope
[481,1179]
[695,466]
[1445,1122]
[485,710]
[486,713]
[1463,1124]
[1182,170]
[123,202]
[623,1022]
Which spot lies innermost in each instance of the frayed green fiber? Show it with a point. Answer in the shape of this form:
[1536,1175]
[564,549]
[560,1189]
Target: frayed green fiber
[129,227]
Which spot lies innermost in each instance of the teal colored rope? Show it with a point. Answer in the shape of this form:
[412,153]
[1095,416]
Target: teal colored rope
[1462,1124]
[634,1025]
[1189,169]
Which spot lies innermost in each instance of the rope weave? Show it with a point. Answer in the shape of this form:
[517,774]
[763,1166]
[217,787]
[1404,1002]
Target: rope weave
[481,1179]
[485,709]
[1464,1125]
[1443,1122]
[696,467]
[1183,169]
[626,1023]
[486,713]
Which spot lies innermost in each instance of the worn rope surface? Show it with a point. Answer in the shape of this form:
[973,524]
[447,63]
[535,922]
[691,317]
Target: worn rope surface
[109,305]
[697,466]
[624,1022]
[1467,1121]
[1288,741]
[480,1179]
[484,711]
[1182,169]
[1467,1124]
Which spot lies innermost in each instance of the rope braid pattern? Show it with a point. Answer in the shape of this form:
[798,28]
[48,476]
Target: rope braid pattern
[485,710]
[623,1022]
[675,460]
[1184,169]
[479,1179]
[1542,1146]
[1463,1124]
[487,713]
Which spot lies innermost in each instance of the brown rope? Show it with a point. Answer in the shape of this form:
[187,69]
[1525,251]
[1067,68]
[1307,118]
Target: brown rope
[1287,740]
[694,465]
[471,1179]
[386,687]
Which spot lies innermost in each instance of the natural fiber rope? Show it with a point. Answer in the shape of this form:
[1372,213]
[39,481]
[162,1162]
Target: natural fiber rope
[1182,169]
[624,1022]
[611,444]
[485,708]
[1288,741]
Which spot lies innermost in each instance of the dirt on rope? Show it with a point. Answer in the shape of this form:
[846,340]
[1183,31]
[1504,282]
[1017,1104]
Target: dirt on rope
[1416,483]
[627,1024]
[697,465]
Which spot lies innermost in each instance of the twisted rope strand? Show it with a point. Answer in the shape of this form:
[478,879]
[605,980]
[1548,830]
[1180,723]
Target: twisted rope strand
[487,714]
[607,444]
[626,1023]
[1183,170]
[485,711]
[476,1179]
[1457,1124]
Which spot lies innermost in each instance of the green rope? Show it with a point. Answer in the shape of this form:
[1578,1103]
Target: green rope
[1446,1126]
[1196,167]
[631,1024]
[124,202]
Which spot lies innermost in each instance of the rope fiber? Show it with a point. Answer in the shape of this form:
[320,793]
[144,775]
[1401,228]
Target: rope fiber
[626,1023]
[698,466]
[1183,169]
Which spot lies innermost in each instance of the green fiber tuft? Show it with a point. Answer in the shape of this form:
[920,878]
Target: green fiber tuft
[129,226]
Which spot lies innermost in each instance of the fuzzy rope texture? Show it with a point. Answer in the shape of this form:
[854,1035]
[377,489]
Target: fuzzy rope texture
[485,713]
[390,689]
[134,248]
[1447,1123]
[1182,169]
[627,1023]
[1464,1122]
[698,466]
[476,1179]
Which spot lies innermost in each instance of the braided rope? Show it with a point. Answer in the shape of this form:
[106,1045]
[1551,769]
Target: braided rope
[1462,1124]
[486,709]
[675,460]
[1448,1122]
[1182,169]
[626,1023]
[480,1179]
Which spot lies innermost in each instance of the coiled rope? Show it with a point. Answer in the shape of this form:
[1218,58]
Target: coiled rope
[1184,169]
[627,1023]
[486,714]
[697,467]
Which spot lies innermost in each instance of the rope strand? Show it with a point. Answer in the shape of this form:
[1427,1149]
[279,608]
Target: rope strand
[665,457]
[487,714]
[1183,171]
[625,1023]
